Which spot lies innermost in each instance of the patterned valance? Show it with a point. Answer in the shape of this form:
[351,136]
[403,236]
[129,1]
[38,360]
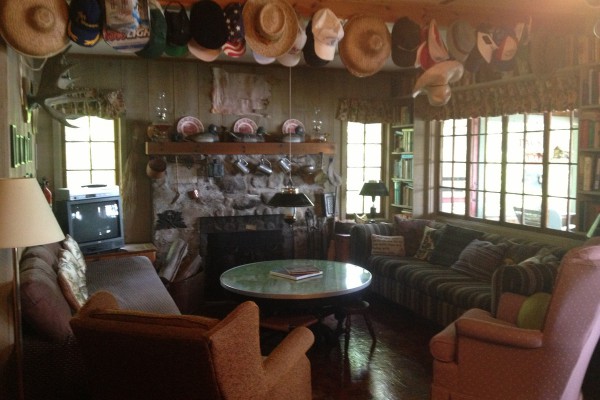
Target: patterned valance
[558,92]
[369,111]
[91,102]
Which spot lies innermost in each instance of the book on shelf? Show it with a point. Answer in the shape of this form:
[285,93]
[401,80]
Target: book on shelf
[588,173]
[297,272]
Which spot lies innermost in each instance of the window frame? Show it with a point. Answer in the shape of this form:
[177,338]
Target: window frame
[470,189]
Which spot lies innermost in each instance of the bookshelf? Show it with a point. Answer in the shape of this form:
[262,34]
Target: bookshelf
[401,160]
[588,190]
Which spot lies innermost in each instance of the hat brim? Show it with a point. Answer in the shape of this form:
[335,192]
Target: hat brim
[176,51]
[357,59]
[27,39]
[256,41]
[202,53]
[435,81]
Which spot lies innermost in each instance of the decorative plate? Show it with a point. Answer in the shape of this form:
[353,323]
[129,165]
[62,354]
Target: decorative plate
[290,126]
[188,126]
[245,125]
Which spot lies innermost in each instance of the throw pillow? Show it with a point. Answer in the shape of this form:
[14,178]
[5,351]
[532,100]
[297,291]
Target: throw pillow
[73,247]
[450,243]
[533,311]
[427,244]
[72,281]
[479,259]
[387,246]
[412,230]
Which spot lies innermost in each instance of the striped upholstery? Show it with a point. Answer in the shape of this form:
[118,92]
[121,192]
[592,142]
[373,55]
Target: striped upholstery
[440,293]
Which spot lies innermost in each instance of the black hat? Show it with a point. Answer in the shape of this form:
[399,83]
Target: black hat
[405,42]
[310,57]
[178,25]
[208,25]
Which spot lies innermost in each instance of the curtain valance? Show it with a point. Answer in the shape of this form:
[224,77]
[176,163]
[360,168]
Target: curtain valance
[558,92]
[369,111]
[108,104]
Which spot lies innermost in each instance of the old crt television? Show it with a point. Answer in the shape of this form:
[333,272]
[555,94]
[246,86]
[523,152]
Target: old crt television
[94,219]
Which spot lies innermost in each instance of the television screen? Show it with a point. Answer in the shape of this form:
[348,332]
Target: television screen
[96,220]
[96,224]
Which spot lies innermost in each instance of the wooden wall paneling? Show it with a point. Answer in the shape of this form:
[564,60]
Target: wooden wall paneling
[185,90]
[160,79]
[138,216]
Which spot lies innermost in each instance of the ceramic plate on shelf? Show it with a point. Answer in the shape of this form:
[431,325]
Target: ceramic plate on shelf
[290,126]
[188,126]
[245,125]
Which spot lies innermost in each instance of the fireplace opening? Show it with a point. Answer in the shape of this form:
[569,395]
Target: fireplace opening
[226,242]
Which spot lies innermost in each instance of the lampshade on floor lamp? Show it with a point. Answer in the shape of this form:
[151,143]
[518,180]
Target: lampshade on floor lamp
[373,189]
[26,220]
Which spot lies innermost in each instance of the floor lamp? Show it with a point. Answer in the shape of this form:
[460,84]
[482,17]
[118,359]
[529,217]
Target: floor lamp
[27,220]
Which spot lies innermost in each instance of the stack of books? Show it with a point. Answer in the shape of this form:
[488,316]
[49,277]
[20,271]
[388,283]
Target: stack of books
[297,272]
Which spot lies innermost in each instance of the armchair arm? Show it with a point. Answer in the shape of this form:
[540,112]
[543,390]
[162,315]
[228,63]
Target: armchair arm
[287,353]
[499,333]
[360,240]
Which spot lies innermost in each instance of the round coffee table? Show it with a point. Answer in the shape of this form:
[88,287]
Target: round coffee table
[254,280]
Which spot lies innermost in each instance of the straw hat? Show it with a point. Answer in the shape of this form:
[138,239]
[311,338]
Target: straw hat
[35,28]
[366,45]
[270,26]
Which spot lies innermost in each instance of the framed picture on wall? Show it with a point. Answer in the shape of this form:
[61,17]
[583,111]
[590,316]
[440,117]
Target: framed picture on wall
[325,204]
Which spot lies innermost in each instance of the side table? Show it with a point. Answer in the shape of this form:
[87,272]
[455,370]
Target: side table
[342,247]
[129,250]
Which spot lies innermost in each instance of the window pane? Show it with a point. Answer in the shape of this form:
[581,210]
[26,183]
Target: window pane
[460,148]
[356,133]
[356,154]
[78,155]
[519,197]
[104,177]
[373,152]
[103,156]
[103,130]
[78,178]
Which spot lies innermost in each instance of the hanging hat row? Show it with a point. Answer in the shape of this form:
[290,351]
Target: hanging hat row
[466,48]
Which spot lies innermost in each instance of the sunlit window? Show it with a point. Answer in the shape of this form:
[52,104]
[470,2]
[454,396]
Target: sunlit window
[363,155]
[90,152]
[494,169]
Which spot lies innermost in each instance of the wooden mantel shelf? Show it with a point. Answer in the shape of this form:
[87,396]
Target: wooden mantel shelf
[175,148]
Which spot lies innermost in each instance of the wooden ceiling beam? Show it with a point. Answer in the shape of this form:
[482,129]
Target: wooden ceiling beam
[444,11]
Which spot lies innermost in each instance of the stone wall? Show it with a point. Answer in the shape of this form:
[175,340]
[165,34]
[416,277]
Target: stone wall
[176,212]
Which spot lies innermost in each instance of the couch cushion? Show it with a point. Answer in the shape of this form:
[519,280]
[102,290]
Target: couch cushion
[71,279]
[43,305]
[466,293]
[47,253]
[382,245]
[479,259]
[427,244]
[133,281]
[412,231]
[71,245]
[450,243]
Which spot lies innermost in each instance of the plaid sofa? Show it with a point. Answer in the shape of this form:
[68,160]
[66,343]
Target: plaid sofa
[433,287]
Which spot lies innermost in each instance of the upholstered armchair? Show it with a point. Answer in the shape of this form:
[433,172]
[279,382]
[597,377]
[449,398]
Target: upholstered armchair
[482,357]
[134,355]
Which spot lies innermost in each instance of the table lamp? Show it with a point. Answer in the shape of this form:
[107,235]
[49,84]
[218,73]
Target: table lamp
[373,189]
[27,220]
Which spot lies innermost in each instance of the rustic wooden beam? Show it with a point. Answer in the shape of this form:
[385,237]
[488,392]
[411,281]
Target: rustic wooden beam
[498,12]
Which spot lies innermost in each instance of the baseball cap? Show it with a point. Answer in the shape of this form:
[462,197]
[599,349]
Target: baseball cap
[85,22]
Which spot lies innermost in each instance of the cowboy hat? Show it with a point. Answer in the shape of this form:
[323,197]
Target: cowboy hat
[435,81]
[270,26]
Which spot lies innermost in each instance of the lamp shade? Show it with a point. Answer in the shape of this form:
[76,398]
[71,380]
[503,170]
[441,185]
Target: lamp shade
[374,188]
[26,218]
[290,197]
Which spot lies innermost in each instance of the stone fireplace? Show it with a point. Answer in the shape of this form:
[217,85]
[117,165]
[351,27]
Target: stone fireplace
[207,211]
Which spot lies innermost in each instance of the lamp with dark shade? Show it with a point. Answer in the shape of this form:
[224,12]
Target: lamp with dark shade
[290,198]
[373,189]
[27,220]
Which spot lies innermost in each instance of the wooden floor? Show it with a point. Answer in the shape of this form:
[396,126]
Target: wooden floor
[398,367]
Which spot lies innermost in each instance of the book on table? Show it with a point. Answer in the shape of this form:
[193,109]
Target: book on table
[297,272]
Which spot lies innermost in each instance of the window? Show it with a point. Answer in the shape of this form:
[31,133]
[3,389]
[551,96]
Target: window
[90,152]
[363,155]
[493,168]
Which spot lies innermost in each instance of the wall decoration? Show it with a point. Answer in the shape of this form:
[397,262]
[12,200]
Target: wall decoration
[239,93]
[21,148]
